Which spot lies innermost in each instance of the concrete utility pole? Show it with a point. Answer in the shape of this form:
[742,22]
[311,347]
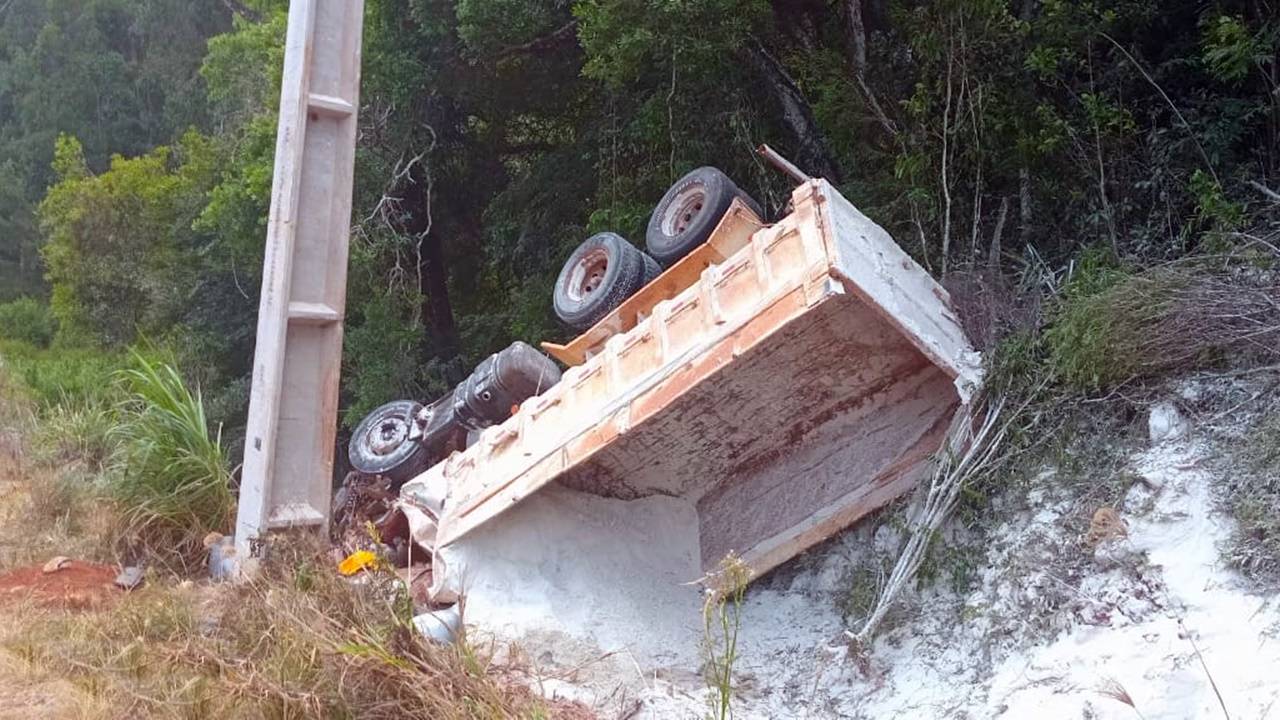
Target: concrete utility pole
[293,405]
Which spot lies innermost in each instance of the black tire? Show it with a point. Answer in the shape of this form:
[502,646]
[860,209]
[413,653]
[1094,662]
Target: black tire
[651,270]
[688,213]
[597,277]
[380,444]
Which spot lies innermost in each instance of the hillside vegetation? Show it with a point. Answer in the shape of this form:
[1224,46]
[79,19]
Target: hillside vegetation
[995,140]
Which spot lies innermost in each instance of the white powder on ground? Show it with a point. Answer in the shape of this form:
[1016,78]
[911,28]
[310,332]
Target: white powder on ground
[596,585]
[613,575]
[1194,603]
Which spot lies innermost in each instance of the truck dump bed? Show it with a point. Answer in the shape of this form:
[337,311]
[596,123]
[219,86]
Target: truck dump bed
[798,384]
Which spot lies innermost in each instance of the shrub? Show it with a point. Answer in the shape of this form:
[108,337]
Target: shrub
[170,473]
[382,361]
[27,320]
[1085,342]
[1111,327]
[1252,494]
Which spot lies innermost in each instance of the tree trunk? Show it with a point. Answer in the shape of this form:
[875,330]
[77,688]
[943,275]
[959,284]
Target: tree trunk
[814,157]
[433,272]
[858,63]
[993,252]
[436,306]
[857,37]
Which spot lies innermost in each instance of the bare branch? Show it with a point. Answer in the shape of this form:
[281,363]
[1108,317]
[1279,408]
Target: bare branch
[238,8]
[1024,205]
[885,122]
[1272,194]
[976,434]
[946,152]
[1185,125]
[858,61]
[542,43]
[993,252]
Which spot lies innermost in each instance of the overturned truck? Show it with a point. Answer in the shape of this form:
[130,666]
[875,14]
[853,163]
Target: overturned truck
[764,392]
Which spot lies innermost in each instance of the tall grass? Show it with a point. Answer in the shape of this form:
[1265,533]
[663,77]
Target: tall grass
[721,621]
[57,375]
[76,432]
[297,642]
[170,472]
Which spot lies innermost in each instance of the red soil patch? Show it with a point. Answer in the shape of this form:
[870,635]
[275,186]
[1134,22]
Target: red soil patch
[78,585]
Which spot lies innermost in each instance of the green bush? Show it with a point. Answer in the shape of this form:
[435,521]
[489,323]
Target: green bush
[381,359]
[27,320]
[170,472]
[1085,336]
[57,375]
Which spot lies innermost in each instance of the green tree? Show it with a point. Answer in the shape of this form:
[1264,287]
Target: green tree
[120,242]
[119,75]
[496,134]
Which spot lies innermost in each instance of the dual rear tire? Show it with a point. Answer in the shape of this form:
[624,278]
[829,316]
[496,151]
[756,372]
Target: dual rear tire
[605,269]
[686,216]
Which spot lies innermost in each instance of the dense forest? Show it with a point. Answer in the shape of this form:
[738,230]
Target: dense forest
[996,140]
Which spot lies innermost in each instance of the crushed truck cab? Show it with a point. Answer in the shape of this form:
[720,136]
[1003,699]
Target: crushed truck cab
[769,392]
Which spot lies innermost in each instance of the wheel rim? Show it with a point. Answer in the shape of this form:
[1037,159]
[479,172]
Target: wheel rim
[682,210]
[587,275]
[388,435]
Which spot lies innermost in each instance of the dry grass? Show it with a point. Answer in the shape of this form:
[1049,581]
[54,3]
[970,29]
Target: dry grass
[992,307]
[1198,313]
[1251,493]
[46,513]
[28,693]
[1113,689]
[300,642]
[297,643]
[50,508]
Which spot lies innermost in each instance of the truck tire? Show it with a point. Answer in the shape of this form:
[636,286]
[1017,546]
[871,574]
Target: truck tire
[604,271]
[651,269]
[380,444]
[689,212]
